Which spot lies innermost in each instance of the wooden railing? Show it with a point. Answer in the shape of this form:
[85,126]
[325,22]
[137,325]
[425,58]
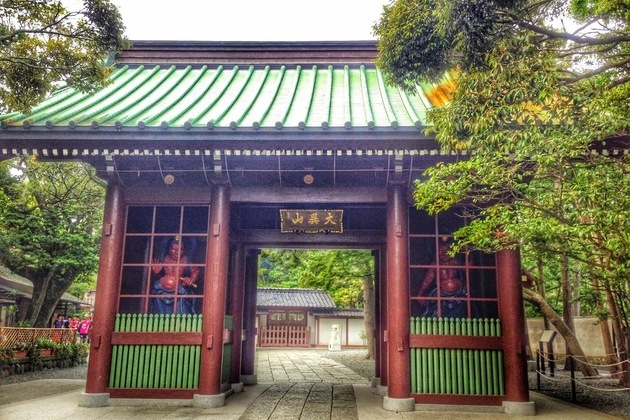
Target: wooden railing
[445,362]
[284,336]
[12,336]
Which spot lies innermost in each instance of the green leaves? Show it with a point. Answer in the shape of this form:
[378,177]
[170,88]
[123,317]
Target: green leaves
[535,105]
[339,272]
[43,44]
[49,227]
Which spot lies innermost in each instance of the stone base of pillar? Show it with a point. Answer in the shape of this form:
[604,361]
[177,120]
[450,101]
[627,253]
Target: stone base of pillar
[208,401]
[381,390]
[94,400]
[399,404]
[520,408]
[376,382]
[249,379]
[236,388]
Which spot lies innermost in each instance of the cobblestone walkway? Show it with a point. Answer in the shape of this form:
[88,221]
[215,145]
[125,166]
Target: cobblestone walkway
[302,366]
[304,401]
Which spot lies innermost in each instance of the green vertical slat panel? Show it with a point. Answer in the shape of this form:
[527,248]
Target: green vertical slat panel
[486,371]
[176,367]
[125,353]
[493,384]
[501,377]
[128,372]
[446,366]
[441,364]
[188,374]
[490,373]
[454,371]
[173,371]
[465,359]
[431,357]
[441,374]
[158,352]
[414,366]
[483,368]
[143,368]
[424,358]
[169,367]
[134,355]
[477,371]
[477,382]
[431,371]
[447,372]
[181,369]
[121,354]
[436,371]
[112,368]
[471,371]
[461,373]
[465,372]
[419,366]
[197,355]
[152,326]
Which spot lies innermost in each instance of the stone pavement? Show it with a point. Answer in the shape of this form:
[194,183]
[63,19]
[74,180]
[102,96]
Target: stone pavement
[312,388]
[302,365]
[304,401]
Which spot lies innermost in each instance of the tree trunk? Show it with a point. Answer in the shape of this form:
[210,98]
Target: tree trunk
[567,296]
[40,289]
[540,284]
[47,307]
[46,294]
[611,357]
[570,339]
[368,311]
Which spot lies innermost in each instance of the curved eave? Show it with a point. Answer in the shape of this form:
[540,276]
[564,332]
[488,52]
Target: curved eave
[82,141]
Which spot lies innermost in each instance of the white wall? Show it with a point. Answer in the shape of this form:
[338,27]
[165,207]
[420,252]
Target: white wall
[587,330]
[349,332]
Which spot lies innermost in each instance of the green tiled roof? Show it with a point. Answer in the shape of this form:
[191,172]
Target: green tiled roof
[237,96]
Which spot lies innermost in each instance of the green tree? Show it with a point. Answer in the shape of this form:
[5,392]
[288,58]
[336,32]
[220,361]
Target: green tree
[536,104]
[49,228]
[42,43]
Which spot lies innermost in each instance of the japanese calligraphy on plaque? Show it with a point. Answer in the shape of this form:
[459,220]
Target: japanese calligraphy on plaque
[311,221]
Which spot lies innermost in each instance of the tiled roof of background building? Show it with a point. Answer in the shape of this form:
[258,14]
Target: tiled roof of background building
[302,298]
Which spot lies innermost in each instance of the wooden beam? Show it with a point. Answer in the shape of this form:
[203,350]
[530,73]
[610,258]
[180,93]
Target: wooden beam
[309,195]
[271,238]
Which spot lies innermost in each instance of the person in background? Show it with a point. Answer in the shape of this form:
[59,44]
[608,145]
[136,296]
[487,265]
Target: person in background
[84,328]
[74,325]
[59,322]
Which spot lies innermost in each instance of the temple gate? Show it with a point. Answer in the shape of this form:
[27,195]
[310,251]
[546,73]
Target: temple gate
[212,151]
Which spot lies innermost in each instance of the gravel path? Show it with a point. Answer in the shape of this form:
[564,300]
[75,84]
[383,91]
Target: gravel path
[601,394]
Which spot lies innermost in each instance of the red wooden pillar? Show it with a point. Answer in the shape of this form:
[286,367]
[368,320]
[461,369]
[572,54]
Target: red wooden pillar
[399,382]
[215,288]
[238,286]
[513,320]
[107,289]
[248,362]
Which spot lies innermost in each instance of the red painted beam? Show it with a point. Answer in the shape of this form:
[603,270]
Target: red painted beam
[455,342]
[155,338]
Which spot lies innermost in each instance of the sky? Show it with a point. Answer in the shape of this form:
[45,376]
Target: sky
[250,20]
